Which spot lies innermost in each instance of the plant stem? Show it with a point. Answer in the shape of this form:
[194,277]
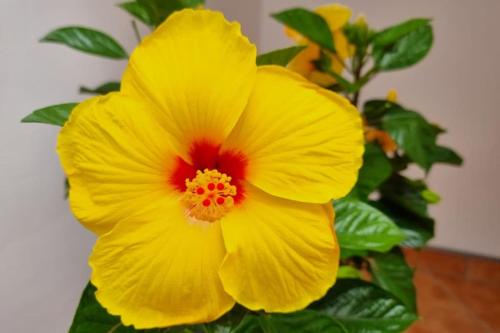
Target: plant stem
[136,31]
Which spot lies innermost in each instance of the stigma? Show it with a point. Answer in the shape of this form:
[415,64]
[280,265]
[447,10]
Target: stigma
[209,195]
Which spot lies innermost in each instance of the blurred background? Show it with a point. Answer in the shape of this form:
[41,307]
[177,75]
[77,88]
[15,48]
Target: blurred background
[43,251]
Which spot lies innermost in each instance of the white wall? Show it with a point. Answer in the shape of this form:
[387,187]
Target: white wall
[43,251]
[455,86]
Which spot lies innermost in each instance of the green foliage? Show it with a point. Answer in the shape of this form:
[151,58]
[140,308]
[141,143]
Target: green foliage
[360,226]
[376,169]
[103,89]
[413,134]
[138,11]
[87,40]
[391,272]
[362,307]
[52,115]
[309,24]
[154,12]
[279,57]
[402,45]
[348,272]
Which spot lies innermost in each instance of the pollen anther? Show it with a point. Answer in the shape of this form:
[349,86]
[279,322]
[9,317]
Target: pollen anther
[209,195]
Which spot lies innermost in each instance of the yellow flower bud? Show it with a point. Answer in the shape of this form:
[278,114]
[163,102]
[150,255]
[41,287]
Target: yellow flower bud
[392,95]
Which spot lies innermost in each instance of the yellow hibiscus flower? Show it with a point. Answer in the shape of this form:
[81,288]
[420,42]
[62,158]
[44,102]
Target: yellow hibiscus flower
[208,180]
[336,16]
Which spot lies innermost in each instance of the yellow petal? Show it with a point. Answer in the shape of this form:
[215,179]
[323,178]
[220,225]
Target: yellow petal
[281,255]
[161,270]
[199,70]
[336,15]
[303,62]
[116,159]
[303,142]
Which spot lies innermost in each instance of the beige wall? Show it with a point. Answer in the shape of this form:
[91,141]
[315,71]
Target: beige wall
[43,250]
[457,87]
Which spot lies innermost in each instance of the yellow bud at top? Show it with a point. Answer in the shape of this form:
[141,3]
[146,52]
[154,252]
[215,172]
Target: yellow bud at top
[392,95]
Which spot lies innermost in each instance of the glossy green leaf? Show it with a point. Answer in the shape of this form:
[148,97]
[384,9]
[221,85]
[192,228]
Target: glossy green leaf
[90,316]
[417,230]
[159,10]
[375,170]
[87,40]
[375,109]
[103,89]
[406,193]
[308,24]
[52,115]
[392,34]
[279,57]
[446,155]
[362,307]
[391,272]
[305,321]
[413,134]
[138,10]
[402,45]
[360,226]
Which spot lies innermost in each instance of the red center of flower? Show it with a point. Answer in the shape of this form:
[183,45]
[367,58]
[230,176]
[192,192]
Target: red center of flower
[212,182]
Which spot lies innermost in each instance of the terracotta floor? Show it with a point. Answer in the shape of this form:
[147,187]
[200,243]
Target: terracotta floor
[456,293]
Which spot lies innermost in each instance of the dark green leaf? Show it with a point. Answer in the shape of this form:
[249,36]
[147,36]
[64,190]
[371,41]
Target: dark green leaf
[446,155]
[53,115]
[87,40]
[375,170]
[159,10]
[406,193]
[249,324]
[137,10]
[375,109]
[309,24]
[348,253]
[392,34]
[360,226]
[362,307]
[391,272]
[417,230]
[279,57]
[90,316]
[103,89]
[402,45]
[305,321]
[413,134]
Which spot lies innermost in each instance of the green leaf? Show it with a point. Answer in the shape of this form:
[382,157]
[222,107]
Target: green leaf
[87,40]
[446,155]
[413,134]
[348,253]
[360,226]
[103,89]
[53,115]
[249,324]
[375,109]
[375,170]
[348,272]
[308,24]
[362,307]
[406,193]
[402,45]
[159,10]
[392,34]
[90,316]
[137,10]
[417,230]
[305,321]
[279,57]
[391,272]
